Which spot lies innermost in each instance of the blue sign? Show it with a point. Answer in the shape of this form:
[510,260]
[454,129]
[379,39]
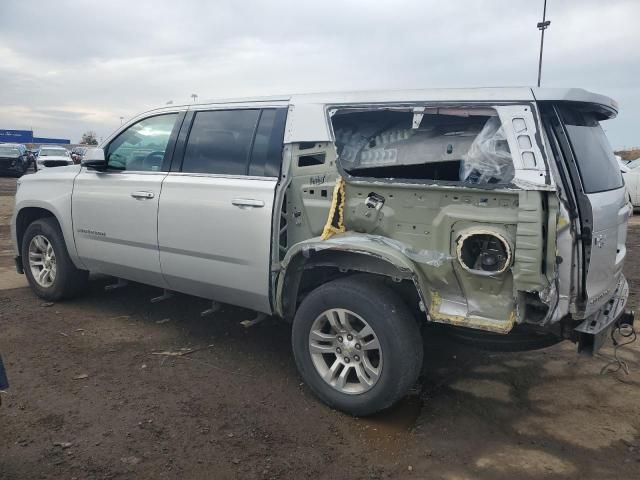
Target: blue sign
[16,136]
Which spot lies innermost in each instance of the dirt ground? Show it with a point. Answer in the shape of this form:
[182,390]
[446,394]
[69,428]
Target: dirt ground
[90,398]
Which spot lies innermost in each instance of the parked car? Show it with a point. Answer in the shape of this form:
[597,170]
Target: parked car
[49,157]
[632,182]
[77,153]
[633,164]
[31,155]
[13,159]
[357,217]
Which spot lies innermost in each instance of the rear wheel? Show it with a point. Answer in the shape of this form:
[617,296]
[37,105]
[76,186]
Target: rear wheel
[356,345]
[46,263]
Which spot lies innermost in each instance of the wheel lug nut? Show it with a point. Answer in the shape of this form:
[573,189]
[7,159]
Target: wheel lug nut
[349,337]
[340,339]
[338,350]
[358,346]
[347,359]
[356,358]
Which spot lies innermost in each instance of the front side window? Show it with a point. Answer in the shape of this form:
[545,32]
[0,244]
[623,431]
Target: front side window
[599,169]
[220,142]
[142,146]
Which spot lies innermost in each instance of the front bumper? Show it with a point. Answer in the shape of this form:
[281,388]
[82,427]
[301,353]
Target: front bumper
[6,167]
[594,330]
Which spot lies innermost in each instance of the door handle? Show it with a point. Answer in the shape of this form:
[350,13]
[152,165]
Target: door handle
[247,202]
[142,194]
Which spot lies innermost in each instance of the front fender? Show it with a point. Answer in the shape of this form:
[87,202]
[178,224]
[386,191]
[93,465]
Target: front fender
[50,191]
[400,257]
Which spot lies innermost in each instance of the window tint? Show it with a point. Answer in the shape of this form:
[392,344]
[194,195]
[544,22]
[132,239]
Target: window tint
[267,145]
[220,142]
[142,146]
[597,164]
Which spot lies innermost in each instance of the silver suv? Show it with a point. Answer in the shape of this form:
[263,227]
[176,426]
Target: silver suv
[357,217]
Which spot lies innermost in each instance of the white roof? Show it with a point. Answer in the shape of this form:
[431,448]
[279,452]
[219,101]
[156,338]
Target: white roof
[307,112]
[485,94]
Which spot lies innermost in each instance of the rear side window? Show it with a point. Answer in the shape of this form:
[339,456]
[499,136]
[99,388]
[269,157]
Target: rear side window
[267,145]
[597,164]
[220,142]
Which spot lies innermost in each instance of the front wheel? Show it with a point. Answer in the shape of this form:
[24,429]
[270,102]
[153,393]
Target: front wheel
[46,263]
[356,345]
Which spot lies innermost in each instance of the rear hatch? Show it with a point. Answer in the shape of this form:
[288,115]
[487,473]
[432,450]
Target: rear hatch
[599,196]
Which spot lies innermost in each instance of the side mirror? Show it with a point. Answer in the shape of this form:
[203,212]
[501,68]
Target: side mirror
[94,159]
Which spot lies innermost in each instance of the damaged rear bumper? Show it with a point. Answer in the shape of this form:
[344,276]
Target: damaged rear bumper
[594,330]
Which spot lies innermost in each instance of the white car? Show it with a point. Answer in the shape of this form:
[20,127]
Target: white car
[632,181]
[49,157]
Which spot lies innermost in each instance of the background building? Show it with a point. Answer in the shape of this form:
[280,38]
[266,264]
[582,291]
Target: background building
[26,136]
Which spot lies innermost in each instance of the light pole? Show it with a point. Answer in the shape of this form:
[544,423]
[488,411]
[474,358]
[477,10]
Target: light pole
[194,96]
[542,26]
[121,120]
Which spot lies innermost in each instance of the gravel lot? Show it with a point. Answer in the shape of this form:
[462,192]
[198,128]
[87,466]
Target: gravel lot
[91,398]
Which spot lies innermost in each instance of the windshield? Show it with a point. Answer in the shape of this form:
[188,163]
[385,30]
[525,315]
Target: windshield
[53,152]
[597,164]
[9,151]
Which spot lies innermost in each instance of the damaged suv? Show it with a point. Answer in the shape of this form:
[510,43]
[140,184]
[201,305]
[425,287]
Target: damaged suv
[357,217]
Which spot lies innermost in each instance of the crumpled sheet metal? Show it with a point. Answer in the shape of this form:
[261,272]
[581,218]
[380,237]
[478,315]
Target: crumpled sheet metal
[426,257]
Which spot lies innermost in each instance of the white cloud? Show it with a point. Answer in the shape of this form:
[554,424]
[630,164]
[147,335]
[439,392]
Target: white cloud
[66,67]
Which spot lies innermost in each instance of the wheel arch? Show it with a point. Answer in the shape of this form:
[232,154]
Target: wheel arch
[25,217]
[313,262]
[28,212]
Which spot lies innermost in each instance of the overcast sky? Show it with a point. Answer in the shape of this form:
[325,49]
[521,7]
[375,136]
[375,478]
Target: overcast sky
[70,66]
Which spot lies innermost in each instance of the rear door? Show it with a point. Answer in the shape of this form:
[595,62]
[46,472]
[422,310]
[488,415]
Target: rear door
[115,212]
[600,197]
[215,213]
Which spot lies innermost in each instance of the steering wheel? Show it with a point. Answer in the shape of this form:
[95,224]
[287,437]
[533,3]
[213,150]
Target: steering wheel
[154,159]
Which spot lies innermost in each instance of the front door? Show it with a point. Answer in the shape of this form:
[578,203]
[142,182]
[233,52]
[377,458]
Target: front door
[215,214]
[115,212]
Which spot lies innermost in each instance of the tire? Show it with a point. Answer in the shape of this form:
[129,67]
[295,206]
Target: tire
[392,324]
[68,281]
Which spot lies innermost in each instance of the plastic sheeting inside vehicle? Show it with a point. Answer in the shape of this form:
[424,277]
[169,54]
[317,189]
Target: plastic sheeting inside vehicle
[427,257]
[488,159]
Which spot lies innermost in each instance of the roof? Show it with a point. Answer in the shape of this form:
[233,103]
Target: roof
[307,112]
[498,94]
[484,94]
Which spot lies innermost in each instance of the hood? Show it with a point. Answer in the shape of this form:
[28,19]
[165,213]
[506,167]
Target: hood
[54,157]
